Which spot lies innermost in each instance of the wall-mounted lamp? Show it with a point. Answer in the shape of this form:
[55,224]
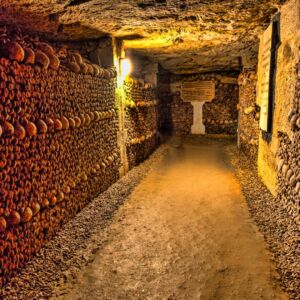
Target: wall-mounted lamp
[125,67]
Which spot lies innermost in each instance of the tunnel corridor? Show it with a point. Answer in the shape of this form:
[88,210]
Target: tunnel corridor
[149,149]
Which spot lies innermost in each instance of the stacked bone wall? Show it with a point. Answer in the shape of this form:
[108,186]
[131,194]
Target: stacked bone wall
[141,121]
[165,103]
[58,147]
[288,160]
[182,115]
[248,114]
[165,124]
[220,115]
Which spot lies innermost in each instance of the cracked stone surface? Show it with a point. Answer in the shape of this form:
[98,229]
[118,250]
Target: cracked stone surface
[184,36]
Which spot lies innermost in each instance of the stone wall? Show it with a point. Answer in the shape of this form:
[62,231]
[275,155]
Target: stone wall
[286,78]
[141,120]
[249,114]
[288,166]
[58,151]
[278,156]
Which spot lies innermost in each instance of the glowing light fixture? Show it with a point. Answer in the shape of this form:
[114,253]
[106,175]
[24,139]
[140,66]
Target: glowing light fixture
[126,67]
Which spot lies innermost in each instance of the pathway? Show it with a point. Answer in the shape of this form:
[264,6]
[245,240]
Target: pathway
[184,233]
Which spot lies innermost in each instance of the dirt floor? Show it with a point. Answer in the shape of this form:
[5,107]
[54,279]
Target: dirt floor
[183,233]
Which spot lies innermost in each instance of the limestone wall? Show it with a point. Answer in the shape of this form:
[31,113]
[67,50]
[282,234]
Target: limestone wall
[249,114]
[288,167]
[278,159]
[287,59]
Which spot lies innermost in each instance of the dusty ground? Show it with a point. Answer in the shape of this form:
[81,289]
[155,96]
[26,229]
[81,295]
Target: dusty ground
[184,233]
[280,230]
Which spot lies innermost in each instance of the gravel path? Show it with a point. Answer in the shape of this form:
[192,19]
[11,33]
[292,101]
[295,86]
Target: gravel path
[184,233]
[75,245]
[281,232]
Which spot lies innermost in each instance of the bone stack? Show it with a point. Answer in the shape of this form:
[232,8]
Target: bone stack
[220,115]
[141,121]
[249,114]
[58,142]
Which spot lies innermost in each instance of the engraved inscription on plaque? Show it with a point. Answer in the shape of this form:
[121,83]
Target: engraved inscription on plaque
[198,91]
[265,77]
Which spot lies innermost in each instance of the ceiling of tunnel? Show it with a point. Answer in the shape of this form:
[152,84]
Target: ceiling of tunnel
[184,36]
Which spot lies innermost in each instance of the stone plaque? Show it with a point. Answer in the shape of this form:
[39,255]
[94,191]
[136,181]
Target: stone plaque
[198,91]
[265,65]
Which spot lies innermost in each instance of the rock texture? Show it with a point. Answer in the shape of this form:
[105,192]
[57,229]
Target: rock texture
[249,114]
[285,89]
[288,160]
[184,36]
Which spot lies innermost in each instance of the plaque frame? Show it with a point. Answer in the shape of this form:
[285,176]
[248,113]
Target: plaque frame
[198,91]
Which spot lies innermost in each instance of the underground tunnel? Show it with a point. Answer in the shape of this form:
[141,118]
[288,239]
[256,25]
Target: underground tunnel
[149,149]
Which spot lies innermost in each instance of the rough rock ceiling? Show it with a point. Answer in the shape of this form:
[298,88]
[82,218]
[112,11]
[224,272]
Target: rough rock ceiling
[185,36]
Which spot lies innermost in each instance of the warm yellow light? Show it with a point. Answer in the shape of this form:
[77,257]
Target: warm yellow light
[126,67]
